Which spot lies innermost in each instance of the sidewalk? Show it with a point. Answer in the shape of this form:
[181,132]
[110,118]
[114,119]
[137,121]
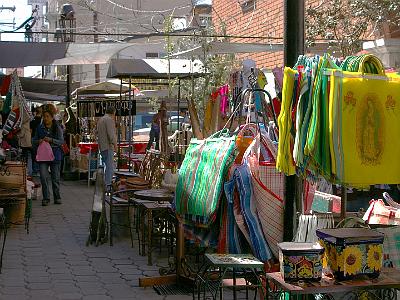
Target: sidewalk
[53,262]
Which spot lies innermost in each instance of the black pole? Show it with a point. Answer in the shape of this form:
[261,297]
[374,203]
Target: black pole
[293,47]
[130,123]
[68,98]
[177,156]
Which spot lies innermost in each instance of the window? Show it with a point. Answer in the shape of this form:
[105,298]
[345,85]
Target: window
[247,5]
[152,55]
[204,20]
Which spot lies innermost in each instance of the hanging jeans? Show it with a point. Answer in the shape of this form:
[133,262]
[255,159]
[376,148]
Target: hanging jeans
[53,177]
[107,156]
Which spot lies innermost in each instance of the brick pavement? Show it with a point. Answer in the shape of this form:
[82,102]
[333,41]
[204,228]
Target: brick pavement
[53,262]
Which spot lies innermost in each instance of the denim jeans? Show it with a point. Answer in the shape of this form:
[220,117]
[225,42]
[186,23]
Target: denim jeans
[154,137]
[107,156]
[53,177]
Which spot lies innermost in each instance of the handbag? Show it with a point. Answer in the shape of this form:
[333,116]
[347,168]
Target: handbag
[379,213]
[270,206]
[363,121]
[44,152]
[201,177]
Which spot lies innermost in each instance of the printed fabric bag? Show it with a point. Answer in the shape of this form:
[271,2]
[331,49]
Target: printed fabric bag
[44,152]
[364,123]
[379,213]
[270,206]
[391,246]
[201,177]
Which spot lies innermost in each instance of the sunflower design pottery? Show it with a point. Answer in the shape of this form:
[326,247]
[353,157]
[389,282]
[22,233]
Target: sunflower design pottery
[352,251]
[301,261]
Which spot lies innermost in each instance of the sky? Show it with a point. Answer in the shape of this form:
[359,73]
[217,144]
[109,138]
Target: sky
[22,12]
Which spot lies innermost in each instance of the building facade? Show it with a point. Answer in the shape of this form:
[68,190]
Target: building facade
[136,22]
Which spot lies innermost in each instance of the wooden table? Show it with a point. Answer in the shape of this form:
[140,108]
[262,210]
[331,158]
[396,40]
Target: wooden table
[381,288]
[152,210]
[160,195]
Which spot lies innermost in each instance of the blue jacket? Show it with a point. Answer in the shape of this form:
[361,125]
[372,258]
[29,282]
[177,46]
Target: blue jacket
[57,136]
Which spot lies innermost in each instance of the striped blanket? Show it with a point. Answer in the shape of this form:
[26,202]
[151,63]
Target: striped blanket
[201,178]
[241,179]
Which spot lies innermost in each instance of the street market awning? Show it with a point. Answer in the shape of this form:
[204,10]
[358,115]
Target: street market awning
[154,68]
[44,89]
[215,48]
[105,87]
[23,54]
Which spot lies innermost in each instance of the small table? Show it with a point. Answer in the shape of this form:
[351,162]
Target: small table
[246,264]
[388,280]
[160,195]
[151,210]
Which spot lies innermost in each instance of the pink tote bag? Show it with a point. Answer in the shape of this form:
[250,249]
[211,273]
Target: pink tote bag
[44,152]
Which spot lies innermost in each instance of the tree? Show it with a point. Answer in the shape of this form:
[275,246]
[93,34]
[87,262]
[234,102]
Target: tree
[347,23]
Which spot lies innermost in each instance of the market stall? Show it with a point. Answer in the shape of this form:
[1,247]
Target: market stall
[91,103]
[14,186]
[237,208]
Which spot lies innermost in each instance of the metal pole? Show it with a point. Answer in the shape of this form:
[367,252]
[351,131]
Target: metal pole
[293,47]
[177,157]
[119,128]
[343,207]
[130,123]
[96,40]
[69,82]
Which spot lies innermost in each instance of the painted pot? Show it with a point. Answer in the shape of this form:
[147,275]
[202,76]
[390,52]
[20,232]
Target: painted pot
[352,252]
[300,261]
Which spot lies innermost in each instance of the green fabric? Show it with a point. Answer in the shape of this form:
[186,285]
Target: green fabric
[201,177]
[7,103]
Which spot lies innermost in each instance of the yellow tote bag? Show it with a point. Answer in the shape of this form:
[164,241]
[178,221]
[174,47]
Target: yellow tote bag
[284,161]
[364,128]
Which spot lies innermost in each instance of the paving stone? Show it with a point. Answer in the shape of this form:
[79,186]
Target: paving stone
[96,297]
[69,296]
[13,290]
[122,262]
[93,291]
[85,278]
[38,285]
[38,279]
[78,263]
[65,288]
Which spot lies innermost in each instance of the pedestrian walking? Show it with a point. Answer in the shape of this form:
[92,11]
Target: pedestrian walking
[49,132]
[155,131]
[107,140]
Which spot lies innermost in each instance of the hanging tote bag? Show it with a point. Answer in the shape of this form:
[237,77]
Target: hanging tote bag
[44,152]
[201,177]
[379,213]
[270,207]
[364,123]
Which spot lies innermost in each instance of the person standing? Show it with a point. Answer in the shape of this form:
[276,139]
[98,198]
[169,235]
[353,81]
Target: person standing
[49,131]
[155,131]
[34,125]
[107,139]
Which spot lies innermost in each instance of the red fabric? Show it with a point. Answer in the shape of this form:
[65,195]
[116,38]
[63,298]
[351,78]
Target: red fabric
[5,85]
[85,147]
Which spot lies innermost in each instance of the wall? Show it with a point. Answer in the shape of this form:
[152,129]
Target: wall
[265,19]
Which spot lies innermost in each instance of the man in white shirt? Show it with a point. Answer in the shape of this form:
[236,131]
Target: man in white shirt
[107,139]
